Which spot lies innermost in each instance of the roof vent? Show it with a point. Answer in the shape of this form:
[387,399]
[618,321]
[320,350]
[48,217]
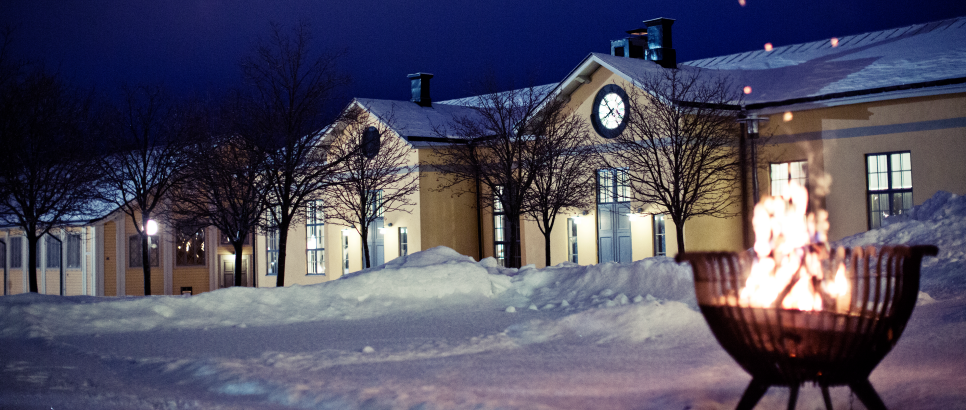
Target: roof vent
[659,47]
[420,87]
[633,46]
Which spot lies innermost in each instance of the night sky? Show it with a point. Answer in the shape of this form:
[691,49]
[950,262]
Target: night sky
[195,45]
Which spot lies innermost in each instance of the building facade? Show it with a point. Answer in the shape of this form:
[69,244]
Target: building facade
[877,120]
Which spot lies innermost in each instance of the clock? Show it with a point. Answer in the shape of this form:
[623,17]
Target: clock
[609,112]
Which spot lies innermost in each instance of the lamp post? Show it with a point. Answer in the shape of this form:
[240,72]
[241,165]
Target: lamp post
[748,147]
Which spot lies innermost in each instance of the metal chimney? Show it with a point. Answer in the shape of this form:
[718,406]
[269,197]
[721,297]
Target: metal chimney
[659,47]
[420,86]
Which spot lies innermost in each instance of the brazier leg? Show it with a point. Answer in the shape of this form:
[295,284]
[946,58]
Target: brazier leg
[826,397]
[753,393]
[867,394]
[793,397]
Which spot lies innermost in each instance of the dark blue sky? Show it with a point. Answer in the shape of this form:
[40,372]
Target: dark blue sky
[195,45]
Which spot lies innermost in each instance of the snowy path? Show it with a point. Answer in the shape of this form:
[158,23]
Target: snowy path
[439,361]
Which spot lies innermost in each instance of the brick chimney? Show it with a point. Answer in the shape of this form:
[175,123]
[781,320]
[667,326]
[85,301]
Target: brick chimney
[419,83]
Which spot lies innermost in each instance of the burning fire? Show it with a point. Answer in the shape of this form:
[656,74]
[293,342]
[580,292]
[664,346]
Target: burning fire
[791,256]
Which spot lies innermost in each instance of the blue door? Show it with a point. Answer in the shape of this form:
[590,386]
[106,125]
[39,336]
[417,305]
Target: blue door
[376,243]
[613,223]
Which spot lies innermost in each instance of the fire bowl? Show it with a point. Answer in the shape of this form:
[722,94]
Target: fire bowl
[840,346]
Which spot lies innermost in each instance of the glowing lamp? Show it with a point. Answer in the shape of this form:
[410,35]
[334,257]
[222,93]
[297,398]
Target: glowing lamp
[152,227]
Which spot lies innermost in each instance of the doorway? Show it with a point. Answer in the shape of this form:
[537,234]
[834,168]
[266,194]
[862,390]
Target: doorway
[613,222]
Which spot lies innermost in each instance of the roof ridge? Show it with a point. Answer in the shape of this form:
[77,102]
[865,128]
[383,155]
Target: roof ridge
[844,41]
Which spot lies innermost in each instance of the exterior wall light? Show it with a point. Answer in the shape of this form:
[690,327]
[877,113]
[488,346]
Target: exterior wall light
[152,227]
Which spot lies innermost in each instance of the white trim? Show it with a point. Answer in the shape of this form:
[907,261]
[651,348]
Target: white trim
[98,263]
[41,255]
[211,252]
[166,237]
[24,265]
[84,257]
[63,261]
[121,264]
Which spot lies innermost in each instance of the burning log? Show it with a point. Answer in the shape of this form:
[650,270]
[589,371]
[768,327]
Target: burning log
[792,311]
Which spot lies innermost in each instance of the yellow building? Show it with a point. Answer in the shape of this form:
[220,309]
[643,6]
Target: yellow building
[881,116]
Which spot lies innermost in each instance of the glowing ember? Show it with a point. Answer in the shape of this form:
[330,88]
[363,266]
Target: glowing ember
[835,42]
[788,116]
[768,46]
[747,89]
[742,3]
[792,255]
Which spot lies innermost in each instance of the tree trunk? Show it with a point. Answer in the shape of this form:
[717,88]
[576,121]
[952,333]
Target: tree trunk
[32,261]
[282,248]
[546,246]
[514,257]
[238,259]
[146,260]
[679,233]
[364,231]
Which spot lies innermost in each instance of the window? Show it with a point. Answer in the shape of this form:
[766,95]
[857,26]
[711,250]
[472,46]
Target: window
[785,172]
[345,252]
[376,203]
[271,252]
[134,250]
[890,185]
[660,239]
[315,239]
[190,247]
[571,240]
[16,252]
[499,228]
[73,250]
[613,186]
[403,241]
[53,251]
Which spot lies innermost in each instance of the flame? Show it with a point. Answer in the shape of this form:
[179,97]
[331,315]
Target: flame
[788,116]
[791,250]
[742,3]
[835,42]
[768,47]
[747,89]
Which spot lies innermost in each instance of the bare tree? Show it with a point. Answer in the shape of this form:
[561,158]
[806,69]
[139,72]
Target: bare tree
[496,153]
[376,176]
[681,144]
[146,155]
[291,88]
[567,178]
[47,177]
[226,187]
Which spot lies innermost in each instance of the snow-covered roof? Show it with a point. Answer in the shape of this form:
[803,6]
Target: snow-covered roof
[886,64]
[916,60]
[417,124]
[422,126]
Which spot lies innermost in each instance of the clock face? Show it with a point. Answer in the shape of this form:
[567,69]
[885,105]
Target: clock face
[610,111]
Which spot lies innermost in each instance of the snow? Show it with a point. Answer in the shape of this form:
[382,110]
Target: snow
[438,330]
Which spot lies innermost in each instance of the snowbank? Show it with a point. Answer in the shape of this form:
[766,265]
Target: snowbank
[940,221]
[424,280]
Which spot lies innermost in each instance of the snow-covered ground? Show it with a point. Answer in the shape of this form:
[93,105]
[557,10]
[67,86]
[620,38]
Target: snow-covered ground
[437,330]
